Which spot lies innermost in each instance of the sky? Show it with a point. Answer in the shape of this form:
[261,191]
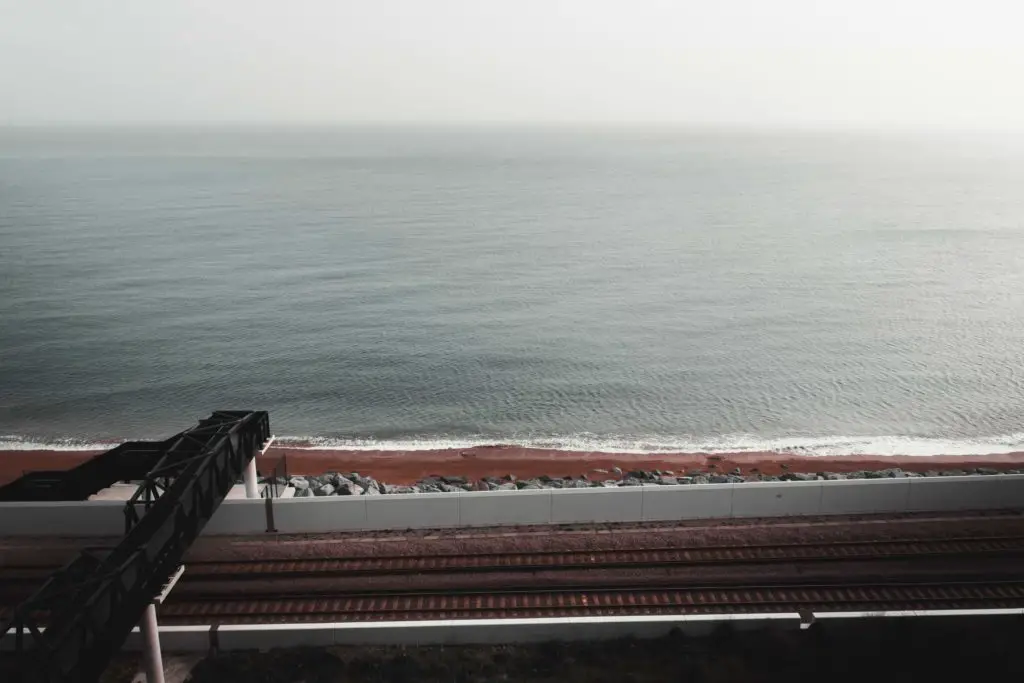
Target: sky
[869,63]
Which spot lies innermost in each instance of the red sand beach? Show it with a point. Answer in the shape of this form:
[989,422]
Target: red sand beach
[405,467]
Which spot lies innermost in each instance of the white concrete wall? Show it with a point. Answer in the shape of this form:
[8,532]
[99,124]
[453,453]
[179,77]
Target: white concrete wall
[702,501]
[291,515]
[776,499]
[620,504]
[865,496]
[413,511]
[487,631]
[454,632]
[63,518]
[962,493]
[490,508]
[548,506]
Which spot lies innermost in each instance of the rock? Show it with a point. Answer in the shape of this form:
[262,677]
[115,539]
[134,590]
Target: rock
[351,489]
[428,488]
[431,481]
[507,486]
[631,481]
[667,480]
[735,479]
[737,471]
[684,480]
[304,493]
[365,483]
[911,474]
[524,483]
[987,471]
[700,479]
[718,479]
[454,481]
[325,490]
[299,483]
[892,473]
[579,484]
[372,491]
[670,473]
[339,481]
[448,488]
[952,473]
[608,483]
[401,489]
[835,476]
[467,487]
[531,487]
[931,473]
[859,474]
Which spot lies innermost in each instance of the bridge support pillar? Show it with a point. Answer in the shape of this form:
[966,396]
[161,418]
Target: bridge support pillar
[154,660]
[251,487]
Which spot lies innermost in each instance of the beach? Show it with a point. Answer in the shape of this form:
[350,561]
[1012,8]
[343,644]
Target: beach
[409,466]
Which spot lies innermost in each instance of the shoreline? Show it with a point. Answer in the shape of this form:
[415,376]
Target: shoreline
[407,467]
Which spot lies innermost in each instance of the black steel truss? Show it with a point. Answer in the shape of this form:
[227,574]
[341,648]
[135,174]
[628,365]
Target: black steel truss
[91,605]
[129,461]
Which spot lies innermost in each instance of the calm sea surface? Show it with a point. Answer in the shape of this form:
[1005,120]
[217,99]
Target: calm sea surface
[590,288]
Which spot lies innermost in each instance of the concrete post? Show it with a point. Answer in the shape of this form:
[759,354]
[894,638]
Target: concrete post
[151,646]
[251,488]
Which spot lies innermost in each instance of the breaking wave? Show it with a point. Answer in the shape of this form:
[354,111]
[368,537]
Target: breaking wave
[823,446]
[13,442]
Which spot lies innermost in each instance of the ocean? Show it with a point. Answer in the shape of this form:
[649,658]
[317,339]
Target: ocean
[595,288]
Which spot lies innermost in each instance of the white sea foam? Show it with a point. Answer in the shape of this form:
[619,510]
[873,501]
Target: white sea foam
[743,443]
[824,446]
[13,442]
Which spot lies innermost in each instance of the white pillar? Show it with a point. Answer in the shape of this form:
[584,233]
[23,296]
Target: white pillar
[251,487]
[151,646]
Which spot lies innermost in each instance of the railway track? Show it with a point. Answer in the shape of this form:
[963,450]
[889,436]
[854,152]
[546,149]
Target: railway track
[323,567]
[611,559]
[711,599]
[962,572]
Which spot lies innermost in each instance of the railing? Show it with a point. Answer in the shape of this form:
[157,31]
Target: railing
[271,490]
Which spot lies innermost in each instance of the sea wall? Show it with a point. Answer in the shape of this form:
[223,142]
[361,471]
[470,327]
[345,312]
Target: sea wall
[547,506]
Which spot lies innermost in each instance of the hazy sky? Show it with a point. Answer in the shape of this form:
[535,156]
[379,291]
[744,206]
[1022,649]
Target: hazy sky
[793,62]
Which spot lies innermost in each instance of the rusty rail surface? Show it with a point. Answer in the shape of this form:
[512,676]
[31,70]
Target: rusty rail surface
[1005,546]
[398,606]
